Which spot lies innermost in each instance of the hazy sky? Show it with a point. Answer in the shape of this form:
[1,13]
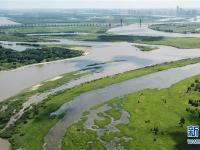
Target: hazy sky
[12,4]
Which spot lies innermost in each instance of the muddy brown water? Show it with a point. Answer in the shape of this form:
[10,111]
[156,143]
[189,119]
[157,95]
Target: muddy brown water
[15,81]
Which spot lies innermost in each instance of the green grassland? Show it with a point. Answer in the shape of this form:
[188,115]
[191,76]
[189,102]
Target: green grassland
[177,27]
[63,46]
[184,43]
[154,123]
[81,138]
[19,34]
[36,122]
[102,123]
[57,29]
[20,38]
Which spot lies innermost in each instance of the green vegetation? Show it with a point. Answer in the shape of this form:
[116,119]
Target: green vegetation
[20,34]
[177,27]
[57,29]
[145,48]
[78,138]
[17,37]
[10,59]
[186,43]
[97,33]
[158,118]
[180,101]
[114,113]
[27,128]
[36,121]
[64,46]
[183,43]
[101,123]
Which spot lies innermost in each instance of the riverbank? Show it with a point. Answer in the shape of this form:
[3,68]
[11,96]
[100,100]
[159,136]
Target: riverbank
[30,129]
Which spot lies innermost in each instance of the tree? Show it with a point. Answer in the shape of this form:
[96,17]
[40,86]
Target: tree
[182,121]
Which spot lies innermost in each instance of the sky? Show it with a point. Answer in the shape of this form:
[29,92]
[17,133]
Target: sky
[131,4]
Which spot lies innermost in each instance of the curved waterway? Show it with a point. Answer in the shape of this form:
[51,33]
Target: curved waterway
[85,101]
[14,81]
[136,30]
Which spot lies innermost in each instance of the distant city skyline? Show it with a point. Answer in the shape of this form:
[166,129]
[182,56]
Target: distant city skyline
[126,4]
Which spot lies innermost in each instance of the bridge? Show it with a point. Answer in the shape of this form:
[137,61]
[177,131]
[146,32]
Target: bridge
[59,25]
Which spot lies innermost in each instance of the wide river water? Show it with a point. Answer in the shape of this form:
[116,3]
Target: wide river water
[129,57]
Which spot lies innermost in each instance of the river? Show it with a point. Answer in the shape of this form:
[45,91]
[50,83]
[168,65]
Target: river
[14,81]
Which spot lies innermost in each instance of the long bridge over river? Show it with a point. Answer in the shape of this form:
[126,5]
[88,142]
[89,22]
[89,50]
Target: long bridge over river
[59,25]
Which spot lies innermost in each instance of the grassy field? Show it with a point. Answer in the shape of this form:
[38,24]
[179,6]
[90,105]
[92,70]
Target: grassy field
[158,120]
[184,43]
[19,34]
[177,27]
[36,121]
[58,29]
[63,46]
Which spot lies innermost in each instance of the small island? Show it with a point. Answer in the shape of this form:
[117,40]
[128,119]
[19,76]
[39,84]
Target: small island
[11,59]
[146,48]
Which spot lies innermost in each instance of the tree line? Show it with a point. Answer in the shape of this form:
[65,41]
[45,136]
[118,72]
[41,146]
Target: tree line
[11,59]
